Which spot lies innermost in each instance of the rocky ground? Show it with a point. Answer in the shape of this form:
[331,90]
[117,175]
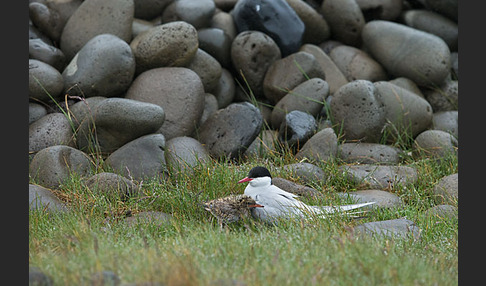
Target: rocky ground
[151,86]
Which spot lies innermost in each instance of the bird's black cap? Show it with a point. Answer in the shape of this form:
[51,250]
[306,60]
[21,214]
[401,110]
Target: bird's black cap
[258,172]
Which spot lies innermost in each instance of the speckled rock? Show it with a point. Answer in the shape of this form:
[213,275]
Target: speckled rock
[53,165]
[112,186]
[395,228]
[183,154]
[41,198]
[435,143]
[229,131]
[444,97]
[52,129]
[295,188]
[207,68]
[296,128]
[168,45]
[217,43]
[408,52]
[305,172]
[287,73]
[380,176]
[197,13]
[322,146]
[446,121]
[380,9]
[345,19]
[41,51]
[382,199]
[96,17]
[44,81]
[104,66]
[316,28]
[369,153]
[180,94]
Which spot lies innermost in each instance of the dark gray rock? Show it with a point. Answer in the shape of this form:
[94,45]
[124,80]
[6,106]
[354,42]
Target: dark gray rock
[116,121]
[322,146]
[47,20]
[39,278]
[45,82]
[357,110]
[229,131]
[408,52]
[149,9]
[382,199]
[444,97]
[369,153]
[295,188]
[112,185]
[104,66]
[380,176]
[447,8]
[274,18]
[345,19]
[197,13]
[446,121]
[316,28]
[167,45]
[394,228]
[435,143]
[215,42]
[180,94]
[36,111]
[305,172]
[84,110]
[210,107]
[96,17]
[183,154]
[225,89]
[207,68]
[51,166]
[380,9]
[142,158]
[296,128]
[41,198]
[49,130]
[446,191]
[41,51]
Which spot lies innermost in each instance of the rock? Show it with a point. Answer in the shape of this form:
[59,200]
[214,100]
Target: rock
[455,66]
[316,28]
[444,97]
[252,53]
[404,51]
[357,64]
[295,188]
[196,13]
[41,51]
[36,111]
[308,97]
[406,113]
[180,94]
[407,84]
[442,212]
[379,176]
[446,8]
[345,20]
[435,143]
[52,129]
[434,23]
[380,9]
[41,198]
[84,110]
[148,217]
[394,228]
[322,146]
[149,9]
[216,43]
[229,131]
[104,66]
[369,153]
[446,191]
[274,18]
[96,17]
[296,128]
[287,73]
[183,154]
[334,77]
[112,185]
[53,165]
[305,172]
[381,198]
[116,121]
[210,107]
[39,278]
[105,278]
[358,111]
[45,82]
[224,21]
[225,89]
[265,143]
[168,45]
[446,121]
[139,26]
[46,20]
[142,158]
[207,68]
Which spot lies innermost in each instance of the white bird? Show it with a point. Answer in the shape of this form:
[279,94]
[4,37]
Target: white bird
[278,203]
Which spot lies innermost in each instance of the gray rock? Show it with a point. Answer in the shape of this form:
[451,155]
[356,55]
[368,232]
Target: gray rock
[229,131]
[45,82]
[316,28]
[39,278]
[225,89]
[207,68]
[287,73]
[308,97]
[142,158]
[252,53]
[357,64]
[305,172]
[447,8]
[148,217]
[446,121]
[96,17]
[41,51]
[224,21]
[112,185]
[407,84]
[345,19]
[196,13]
[215,42]
[380,176]
[52,129]
[264,144]
[382,199]
[84,110]
[116,121]
[149,9]
[446,191]
[406,113]
[442,212]
[435,143]
[295,188]
[394,228]
[357,110]
[183,154]
[41,198]
[47,20]
[380,9]
[296,128]
[139,26]
[369,153]
[167,45]
[180,94]
[210,107]
[322,146]
[408,52]
[36,111]
[104,66]
[455,65]
[444,97]
[51,166]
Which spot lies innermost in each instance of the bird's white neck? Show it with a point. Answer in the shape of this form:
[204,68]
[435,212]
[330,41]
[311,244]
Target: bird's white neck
[261,182]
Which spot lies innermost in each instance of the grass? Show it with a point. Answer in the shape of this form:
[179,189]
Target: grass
[192,250]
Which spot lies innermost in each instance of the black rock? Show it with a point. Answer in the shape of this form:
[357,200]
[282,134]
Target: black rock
[274,18]
[297,128]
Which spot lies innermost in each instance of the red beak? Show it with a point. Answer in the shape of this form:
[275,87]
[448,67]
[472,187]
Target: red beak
[246,179]
[255,206]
